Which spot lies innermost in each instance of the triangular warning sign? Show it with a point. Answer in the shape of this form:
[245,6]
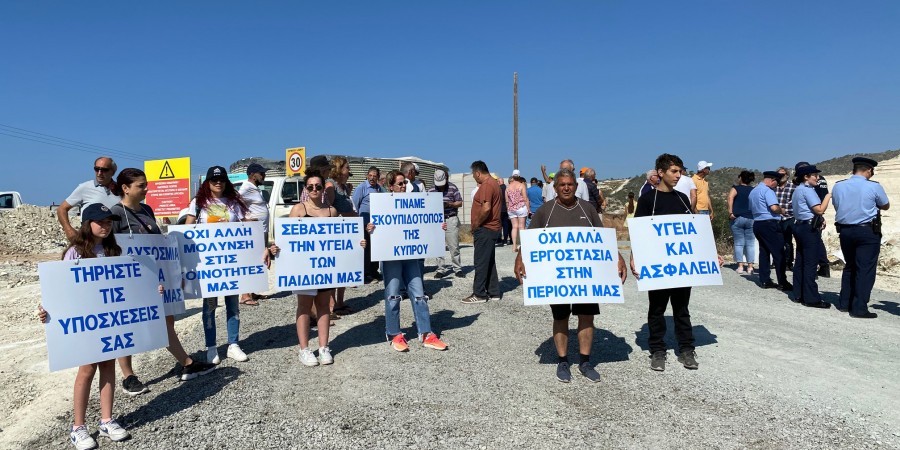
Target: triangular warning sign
[167,172]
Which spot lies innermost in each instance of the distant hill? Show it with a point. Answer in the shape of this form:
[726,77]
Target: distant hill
[721,180]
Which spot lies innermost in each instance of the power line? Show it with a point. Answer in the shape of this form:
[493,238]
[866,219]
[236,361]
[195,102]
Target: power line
[43,138]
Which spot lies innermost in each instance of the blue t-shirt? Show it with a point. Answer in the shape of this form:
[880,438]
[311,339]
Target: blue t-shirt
[804,199]
[535,198]
[761,198]
[856,200]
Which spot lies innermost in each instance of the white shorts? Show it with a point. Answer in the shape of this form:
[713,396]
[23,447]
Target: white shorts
[521,212]
[309,292]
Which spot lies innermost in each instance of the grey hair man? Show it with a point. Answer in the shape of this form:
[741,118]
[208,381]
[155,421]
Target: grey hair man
[102,189]
[581,190]
[411,171]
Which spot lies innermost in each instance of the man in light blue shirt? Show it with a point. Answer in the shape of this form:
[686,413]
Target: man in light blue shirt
[766,218]
[858,202]
[102,189]
[360,200]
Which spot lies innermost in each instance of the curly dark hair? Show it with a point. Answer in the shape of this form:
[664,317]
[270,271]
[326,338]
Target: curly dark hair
[230,194]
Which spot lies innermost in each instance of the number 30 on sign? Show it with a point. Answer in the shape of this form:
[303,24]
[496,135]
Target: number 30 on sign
[296,161]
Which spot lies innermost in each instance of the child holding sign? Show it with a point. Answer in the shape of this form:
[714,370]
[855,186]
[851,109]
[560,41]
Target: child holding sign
[410,272]
[94,240]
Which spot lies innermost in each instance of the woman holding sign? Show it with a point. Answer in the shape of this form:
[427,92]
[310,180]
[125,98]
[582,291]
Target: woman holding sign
[94,240]
[138,218]
[314,206]
[218,201]
[395,272]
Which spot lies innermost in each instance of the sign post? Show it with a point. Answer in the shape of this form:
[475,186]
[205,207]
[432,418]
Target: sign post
[221,258]
[570,265]
[101,309]
[295,162]
[168,185]
[408,225]
[319,253]
[672,251]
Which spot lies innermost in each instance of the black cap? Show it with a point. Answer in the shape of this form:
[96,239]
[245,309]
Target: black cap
[98,212]
[806,170]
[865,161]
[318,161]
[800,164]
[772,174]
[256,168]
[216,173]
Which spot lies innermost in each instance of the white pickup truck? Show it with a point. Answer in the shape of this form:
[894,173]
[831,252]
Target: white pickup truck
[10,200]
[281,193]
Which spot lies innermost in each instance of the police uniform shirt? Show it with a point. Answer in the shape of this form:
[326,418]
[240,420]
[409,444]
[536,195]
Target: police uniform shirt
[761,198]
[804,199]
[856,200]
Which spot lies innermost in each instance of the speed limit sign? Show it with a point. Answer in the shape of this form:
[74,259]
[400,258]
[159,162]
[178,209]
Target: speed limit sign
[296,161]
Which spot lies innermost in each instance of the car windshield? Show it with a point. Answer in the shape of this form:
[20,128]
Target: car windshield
[6,200]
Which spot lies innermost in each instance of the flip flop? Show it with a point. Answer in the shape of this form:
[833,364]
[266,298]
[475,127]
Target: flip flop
[249,302]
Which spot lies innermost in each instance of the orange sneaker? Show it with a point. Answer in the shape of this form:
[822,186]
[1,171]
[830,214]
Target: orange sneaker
[399,343]
[431,341]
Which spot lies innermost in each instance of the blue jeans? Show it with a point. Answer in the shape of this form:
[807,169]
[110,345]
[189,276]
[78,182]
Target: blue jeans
[232,323]
[394,273]
[744,241]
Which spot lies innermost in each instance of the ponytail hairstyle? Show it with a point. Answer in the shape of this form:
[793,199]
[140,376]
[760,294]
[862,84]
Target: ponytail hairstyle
[126,177]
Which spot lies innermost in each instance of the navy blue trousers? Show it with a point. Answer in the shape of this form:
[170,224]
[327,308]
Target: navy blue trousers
[771,245]
[806,264]
[861,247]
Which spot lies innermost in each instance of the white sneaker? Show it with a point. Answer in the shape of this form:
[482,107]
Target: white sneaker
[80,438]
[307,358]
[325,356]
[212,355]
[113,431]
[235,353]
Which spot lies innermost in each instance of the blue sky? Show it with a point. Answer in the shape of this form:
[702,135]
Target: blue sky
[610,84]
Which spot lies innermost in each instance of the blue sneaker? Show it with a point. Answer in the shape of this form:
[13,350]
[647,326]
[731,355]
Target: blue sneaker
[562,372]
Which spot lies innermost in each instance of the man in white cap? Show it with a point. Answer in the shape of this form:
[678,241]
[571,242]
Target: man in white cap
[452,202]
[704,203]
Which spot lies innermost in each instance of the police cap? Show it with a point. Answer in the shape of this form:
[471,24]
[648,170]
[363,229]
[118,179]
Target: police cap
[865,161]
[772,174]
[807,170]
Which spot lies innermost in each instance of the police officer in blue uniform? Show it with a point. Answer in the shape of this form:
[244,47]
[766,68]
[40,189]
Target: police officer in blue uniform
[807,230]
[766,219]
[858,202]
[821,190]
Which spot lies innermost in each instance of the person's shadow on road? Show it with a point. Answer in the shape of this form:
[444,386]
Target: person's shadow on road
[702,336]
[372,333]
[185,395]
[888,307]
[606,348]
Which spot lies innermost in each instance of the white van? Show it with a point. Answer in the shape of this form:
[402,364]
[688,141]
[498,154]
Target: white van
[281,193]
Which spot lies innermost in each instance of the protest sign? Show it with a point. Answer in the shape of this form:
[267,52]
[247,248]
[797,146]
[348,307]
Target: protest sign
[100,309]
[221,258]
[164,250]
[566,265]
[676,250]
[319,253]
[407,226]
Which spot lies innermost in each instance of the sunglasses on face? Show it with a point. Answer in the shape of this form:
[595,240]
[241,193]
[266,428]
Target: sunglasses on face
[401,183]
[313,187]
[102,169]
[216,181]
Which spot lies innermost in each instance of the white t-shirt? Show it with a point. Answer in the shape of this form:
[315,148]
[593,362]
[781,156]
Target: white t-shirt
[256,203]
[685,185]
[216,210]
[418,182]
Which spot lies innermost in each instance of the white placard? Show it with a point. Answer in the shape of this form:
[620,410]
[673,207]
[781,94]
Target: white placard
[221,258]
[164,250]
[101,309]
[676,250]
[408,225]
[319,253]
[566,265]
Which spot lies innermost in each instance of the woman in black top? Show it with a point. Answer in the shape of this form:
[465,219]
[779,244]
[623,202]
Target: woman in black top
[741,219]
[138,218]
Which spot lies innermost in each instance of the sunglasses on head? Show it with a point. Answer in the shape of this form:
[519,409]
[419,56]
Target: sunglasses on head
[314,187]
[102,169]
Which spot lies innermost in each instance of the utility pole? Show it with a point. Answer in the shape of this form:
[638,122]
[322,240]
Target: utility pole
[515,120]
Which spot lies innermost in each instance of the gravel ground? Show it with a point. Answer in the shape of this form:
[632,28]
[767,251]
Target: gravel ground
[772,375]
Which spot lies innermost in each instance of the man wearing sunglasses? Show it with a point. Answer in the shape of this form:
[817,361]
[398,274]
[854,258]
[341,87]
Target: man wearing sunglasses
[101,190]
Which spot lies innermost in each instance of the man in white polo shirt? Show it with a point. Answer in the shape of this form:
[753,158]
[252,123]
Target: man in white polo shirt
[101,190]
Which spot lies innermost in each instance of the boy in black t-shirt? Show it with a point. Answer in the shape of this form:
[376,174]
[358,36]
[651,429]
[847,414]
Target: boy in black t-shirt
[666,200]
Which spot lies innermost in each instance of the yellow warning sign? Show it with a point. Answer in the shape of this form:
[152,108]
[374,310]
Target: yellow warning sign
[295,162]
[168,169]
